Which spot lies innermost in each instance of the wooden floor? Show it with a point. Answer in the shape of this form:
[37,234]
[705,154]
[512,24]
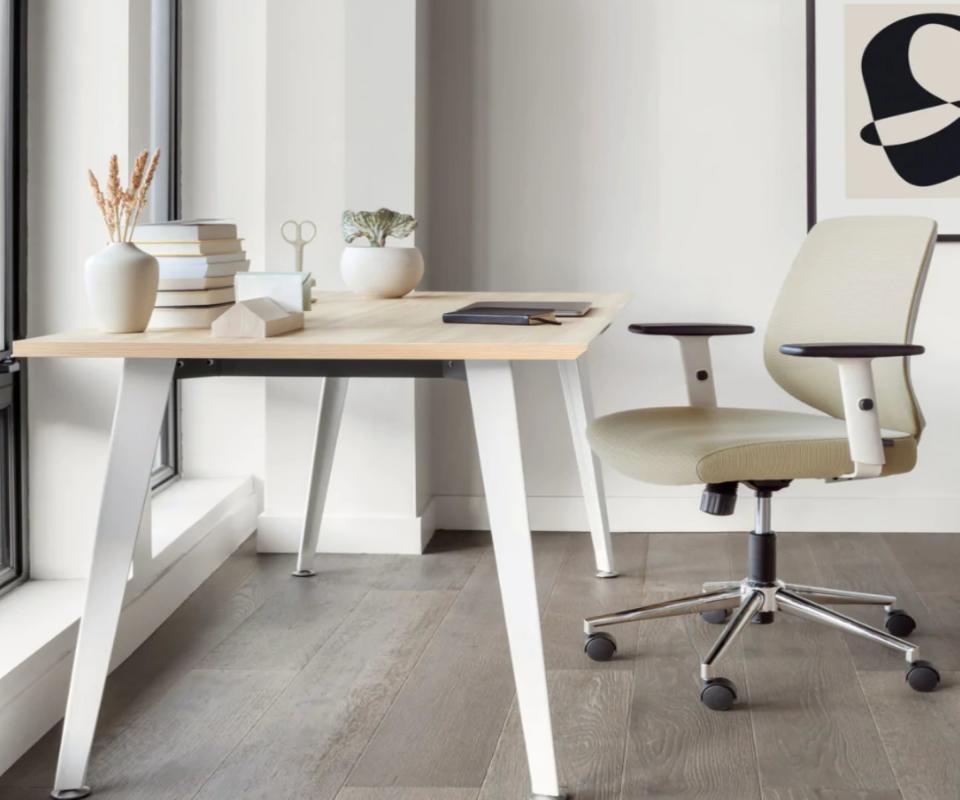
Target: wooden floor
[388,678]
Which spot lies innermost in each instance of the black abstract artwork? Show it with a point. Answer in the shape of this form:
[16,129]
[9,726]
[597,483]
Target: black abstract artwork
[932,157]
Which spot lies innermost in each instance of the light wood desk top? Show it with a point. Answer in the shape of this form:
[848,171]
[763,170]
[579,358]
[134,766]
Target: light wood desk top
[344,326]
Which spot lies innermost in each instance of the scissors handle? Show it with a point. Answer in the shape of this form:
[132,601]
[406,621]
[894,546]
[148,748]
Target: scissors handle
[298,227]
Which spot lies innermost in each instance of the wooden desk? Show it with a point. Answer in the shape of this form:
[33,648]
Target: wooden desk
[345,336]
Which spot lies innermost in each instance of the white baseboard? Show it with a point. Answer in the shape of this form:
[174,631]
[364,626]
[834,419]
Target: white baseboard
[280,533]
[652,514]
[39,683]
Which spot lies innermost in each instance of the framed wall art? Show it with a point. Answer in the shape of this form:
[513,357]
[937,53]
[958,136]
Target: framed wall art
[883,110]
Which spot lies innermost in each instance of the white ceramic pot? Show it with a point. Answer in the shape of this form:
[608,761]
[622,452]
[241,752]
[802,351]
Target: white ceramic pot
[382,271]
[122,287]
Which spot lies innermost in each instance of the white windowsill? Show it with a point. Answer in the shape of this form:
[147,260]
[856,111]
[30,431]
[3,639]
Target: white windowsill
[38,619]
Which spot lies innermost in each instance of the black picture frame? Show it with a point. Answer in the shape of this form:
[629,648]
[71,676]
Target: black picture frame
[811,137]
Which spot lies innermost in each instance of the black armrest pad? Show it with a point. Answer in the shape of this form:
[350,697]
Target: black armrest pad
[851,350]
[689,329]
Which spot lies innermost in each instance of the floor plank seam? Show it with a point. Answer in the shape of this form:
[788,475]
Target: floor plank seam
[876,725]
[293,676]
[406,679]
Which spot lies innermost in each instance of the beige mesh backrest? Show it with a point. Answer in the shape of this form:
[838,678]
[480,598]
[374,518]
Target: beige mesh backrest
[856,279]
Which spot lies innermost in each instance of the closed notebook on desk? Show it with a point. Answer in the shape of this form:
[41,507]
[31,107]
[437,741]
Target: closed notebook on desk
[498,315]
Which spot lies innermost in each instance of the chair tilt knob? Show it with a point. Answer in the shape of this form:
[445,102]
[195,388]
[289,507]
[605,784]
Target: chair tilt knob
[719,499]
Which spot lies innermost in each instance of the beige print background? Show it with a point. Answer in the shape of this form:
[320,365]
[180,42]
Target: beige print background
[869,172]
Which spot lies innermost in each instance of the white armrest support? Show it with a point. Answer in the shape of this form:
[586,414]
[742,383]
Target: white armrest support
[854,360]
[694,338]
[698,370]
[863,421]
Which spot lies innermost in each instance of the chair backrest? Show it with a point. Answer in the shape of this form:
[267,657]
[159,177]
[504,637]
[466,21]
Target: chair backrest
[856,279]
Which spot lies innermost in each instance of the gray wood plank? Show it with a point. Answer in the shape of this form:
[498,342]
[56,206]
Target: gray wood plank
[448,562]
[579,593]
[676,747]
[920,732]
[944,633]
[170,751]
[865,563]
[444,726]
[288,628]
[590,709]
[930,559]
[384,793]
[306,744]
[806,793]
[811,721]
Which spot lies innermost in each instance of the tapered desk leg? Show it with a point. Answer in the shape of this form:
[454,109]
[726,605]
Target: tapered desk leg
[329,414]
[498,441]
[576,393]
[144,389]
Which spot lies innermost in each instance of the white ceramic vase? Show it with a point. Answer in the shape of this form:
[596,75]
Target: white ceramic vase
[381,271]
[122,287]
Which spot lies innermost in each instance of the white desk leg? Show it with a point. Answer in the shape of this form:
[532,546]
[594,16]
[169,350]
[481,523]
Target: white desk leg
[498,441]
[576,393]
[329,413]
[144,389]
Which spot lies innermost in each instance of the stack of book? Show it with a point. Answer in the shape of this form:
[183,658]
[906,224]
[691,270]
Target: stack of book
[198,262]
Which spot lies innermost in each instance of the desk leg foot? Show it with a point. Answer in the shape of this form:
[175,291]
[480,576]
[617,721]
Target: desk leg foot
[142,399]
[329,414]
[71,794]
[303,573]
[579,401]
[498,442]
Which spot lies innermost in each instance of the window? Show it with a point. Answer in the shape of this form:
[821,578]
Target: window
[13,556]
[165,193]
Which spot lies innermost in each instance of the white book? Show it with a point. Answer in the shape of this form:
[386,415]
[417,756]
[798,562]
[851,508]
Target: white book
[185,230]
[195,297]
[185,284]
[200,267]
[211,247]
[199,317]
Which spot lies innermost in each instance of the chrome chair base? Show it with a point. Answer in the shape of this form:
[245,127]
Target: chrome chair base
[748,599]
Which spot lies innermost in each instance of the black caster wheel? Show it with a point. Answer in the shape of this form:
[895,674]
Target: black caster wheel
[716,616]
[600,646]
[718,694]
[899,623]
[923,676]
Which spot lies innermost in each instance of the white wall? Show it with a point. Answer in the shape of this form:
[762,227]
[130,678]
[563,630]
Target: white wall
[656,147]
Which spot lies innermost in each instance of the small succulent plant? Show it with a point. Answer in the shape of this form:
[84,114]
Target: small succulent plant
[376,226]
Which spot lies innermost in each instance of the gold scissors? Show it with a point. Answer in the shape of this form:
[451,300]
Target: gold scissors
[297,240]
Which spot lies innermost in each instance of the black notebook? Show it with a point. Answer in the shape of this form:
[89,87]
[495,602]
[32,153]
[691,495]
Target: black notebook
[498,315]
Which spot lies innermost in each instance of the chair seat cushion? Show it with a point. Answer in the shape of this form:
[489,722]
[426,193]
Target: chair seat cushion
[685,445]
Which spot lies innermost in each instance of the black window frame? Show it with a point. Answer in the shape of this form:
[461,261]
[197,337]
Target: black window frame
[14,567]
[166,77]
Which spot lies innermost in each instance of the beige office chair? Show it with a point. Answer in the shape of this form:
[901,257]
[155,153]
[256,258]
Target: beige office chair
[851,297]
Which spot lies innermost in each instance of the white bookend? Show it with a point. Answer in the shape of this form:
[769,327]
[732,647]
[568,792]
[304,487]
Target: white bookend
[256,318]
[290,289]
[199,317]
[185,230]
[195,297]
[187,284]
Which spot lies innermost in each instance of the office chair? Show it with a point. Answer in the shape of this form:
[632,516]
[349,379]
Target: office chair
[850,298]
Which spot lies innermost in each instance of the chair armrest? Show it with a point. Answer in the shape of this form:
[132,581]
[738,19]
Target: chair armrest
[851,350]
[694,339]
[854,361]
[689,329]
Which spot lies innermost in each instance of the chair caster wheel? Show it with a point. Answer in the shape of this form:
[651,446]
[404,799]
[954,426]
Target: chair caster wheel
[718,694]
[600,646]
[716,616]
[899,623]
[923,676]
